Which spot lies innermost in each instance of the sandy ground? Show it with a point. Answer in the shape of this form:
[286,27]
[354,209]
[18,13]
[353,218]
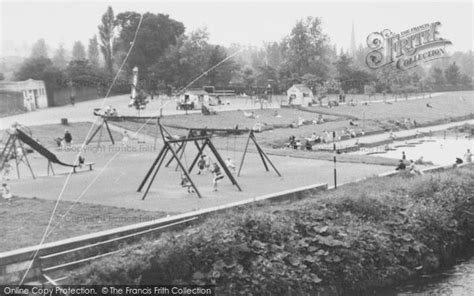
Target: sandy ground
[119,170]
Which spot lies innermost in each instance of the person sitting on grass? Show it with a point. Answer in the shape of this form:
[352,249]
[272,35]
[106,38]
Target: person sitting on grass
[6,192]
[216,175]
[250,115]
[258,127]
[392,135]
[300,121]
[413,169]
[457,162]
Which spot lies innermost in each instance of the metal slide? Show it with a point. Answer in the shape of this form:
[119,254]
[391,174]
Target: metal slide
[40,148]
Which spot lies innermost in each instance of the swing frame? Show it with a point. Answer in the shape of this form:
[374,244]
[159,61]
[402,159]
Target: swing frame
[201,142]
[236,131]
[104,121]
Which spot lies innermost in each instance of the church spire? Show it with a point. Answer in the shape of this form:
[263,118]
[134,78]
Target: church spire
[353,42]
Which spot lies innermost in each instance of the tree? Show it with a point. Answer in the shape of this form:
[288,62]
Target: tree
[59,58]
[437,75]
[248,77]
[78,51]
[156,34]
[106,36]
[183,62]
[221,75]
[305,48]
[273,55]
[42,68]
[345,72]
[40,49]
[452,74]
[369,90]
[93,52]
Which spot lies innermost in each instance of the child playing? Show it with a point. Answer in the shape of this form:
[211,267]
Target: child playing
[217,175]
[186,183]
[6,193]
[230,164]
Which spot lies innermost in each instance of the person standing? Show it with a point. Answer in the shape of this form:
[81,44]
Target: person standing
[404,157]
[217,175]
[468,156]
[67,138]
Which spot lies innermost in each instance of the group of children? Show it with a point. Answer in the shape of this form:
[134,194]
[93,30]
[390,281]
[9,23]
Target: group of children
[414,170]
[204,164]
[65,141]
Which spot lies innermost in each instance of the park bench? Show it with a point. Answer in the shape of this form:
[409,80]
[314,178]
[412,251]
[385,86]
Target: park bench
[89,164]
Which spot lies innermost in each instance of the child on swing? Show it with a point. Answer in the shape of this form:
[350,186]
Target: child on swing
[230,164]
[186,183]
[217,175]
[201,164]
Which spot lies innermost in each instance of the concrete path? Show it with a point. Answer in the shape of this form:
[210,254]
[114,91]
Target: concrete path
[399,134]
[83,111]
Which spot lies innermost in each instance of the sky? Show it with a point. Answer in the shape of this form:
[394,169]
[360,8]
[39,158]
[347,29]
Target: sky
[250,23]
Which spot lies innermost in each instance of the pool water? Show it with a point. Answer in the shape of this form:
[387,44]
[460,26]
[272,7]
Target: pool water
[440,151]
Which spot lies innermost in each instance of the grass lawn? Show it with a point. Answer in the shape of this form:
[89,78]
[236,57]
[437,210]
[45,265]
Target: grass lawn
[443,107]
[24,220]
[229,119]
[47,133]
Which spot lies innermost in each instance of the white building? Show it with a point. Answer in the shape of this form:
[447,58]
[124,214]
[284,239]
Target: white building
[33,91]
[194,97]
[299,94]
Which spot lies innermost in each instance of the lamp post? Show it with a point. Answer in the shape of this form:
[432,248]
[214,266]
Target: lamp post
[134,82]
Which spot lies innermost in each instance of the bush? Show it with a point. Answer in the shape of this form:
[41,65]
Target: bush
[348,241]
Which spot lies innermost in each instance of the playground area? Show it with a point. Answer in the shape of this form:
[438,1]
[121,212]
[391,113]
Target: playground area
[109,189]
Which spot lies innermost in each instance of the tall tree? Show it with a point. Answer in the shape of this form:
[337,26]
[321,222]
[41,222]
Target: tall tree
[41,68]
[186,60]
[59,58]
[40,49]
[221,75]
[156,34]
[93,52]
[248,76]
[305,48]
[106,36]
[437,75]
[78,51]
[452,74]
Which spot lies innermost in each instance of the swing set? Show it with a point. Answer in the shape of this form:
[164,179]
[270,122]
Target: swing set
[104,122]
[177,146]
[236,132]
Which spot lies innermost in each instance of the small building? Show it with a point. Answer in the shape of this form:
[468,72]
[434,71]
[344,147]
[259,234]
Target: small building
[194,98]
[299,95]
[33,92]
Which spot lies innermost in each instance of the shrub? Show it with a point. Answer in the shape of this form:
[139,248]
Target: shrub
[348,241]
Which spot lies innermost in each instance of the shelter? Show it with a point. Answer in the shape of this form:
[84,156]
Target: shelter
[194,98]
[299,95]
[33,92]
